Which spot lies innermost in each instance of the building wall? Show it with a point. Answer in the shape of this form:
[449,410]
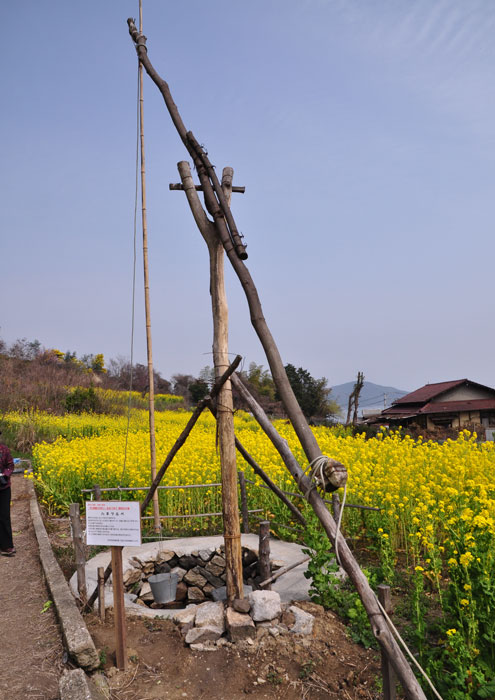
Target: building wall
[464,393]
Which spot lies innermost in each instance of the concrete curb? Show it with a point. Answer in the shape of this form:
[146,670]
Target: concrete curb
[77,639]
[75,685]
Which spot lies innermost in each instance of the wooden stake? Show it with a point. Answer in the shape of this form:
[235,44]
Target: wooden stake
[283,571]
[79,550]
[101,593]
[119,609]
[265,570]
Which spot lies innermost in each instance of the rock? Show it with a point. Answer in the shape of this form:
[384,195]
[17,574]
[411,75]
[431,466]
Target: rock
[187,562]
[277,564]
[248,556]
[219,593]
[185,629]
[164,556]
[288,618]
[183,617]
[132,576]
[179,571]
[239,626]
[304,621]
[214,569]
[145,592]
[217,560]
[204,647]
[265,605]
[274,631]
[149,568]
[203,634]
[162,568]
[208,590]
[195,594]
[135,562]
[210,615]
[76,684]
[194,578]
[205,554]
[211,578]
[241,605]
[181,591]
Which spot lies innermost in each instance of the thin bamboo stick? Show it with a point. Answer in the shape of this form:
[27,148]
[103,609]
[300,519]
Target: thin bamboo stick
[147,307]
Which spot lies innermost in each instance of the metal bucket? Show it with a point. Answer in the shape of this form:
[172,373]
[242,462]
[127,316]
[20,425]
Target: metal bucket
[163,587]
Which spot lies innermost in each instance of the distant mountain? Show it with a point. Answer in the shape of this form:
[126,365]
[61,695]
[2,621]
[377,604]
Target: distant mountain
[373,396]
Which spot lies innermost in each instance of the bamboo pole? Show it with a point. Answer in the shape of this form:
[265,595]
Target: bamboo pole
[147,308]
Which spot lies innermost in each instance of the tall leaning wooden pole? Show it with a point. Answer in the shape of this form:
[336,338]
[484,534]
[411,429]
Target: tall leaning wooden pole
[147,309]
[224,403]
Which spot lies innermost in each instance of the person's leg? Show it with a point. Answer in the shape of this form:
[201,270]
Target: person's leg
[6,542]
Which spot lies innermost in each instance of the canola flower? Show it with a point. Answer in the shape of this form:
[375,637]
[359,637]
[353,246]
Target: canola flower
[436,501]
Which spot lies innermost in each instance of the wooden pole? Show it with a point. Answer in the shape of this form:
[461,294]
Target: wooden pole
[119,609]
[97,492]
[101,593]
[224,404]
[389,677]
[244,505]
[79,550]
[147,308]
[265,570]
[283,571]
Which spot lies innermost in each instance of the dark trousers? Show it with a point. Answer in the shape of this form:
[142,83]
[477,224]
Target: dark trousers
[5,526]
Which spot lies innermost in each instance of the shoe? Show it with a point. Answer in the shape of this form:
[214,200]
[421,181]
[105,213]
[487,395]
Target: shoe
[8,552]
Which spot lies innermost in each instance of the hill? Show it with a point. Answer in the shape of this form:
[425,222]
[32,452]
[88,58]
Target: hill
[373,396]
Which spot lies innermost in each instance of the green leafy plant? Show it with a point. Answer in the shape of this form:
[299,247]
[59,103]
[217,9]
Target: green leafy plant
[327,589]
[46,606]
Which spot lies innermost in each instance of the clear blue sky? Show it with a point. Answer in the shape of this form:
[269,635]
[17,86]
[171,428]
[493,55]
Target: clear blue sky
[364,132]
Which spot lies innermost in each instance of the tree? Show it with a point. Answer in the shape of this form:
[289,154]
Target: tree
[312,394]
[198,390]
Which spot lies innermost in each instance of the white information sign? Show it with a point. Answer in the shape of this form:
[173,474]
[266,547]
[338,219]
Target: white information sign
[113,523]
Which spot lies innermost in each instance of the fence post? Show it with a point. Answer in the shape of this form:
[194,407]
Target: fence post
[101,592]
[388,674]
[265,570]
[97,492]
[79,552]
[244,506]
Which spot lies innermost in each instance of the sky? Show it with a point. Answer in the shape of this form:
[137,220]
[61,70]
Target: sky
[363,131]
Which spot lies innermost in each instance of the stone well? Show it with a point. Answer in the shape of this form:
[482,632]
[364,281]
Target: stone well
[291,586]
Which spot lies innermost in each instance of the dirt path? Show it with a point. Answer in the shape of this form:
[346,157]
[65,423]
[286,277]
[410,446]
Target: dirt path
[31,650]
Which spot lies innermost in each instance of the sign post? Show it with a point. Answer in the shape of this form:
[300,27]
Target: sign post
[115,524]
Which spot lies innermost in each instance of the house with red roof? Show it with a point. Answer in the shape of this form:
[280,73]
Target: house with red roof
[456,404]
